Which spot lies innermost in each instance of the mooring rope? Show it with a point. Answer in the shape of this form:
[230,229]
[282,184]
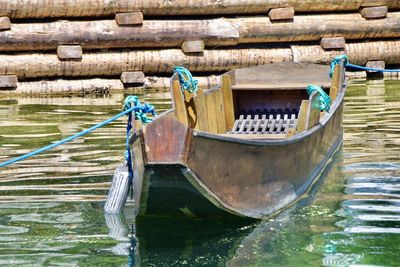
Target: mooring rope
[138,108]
[324,99]
[186,80]
[347,64]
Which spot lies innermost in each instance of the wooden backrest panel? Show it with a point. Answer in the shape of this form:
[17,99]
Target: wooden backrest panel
[178,102]
[335,87]
[313,114]
[226,90]
[302,118]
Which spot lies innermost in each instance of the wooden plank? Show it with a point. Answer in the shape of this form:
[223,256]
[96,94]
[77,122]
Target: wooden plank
[313,114]
[210,110]
[133,77]
[228,101]
[255,136]
[290,132]
[196,46]
[277,86]
[302,117]
[376,64]
[286,13]
[8,81]
[5,23]
[333,43]
[178,103]
[376,12]
[129,19]
[201,112]
[334,90]
[219,112]
[69,52]
[190,109]
[257,123]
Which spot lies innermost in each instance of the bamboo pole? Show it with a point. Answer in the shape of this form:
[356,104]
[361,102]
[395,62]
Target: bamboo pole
[102,34]
[86,8]
[215,32]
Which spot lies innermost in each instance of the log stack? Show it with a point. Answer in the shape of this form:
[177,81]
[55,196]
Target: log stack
[99,45]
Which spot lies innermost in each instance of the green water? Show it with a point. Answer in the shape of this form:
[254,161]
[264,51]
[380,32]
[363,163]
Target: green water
[51,205]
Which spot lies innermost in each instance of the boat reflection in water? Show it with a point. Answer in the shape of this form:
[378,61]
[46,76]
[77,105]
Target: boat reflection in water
[192,241]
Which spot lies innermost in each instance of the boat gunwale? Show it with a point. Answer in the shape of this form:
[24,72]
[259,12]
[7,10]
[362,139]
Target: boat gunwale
[280,142]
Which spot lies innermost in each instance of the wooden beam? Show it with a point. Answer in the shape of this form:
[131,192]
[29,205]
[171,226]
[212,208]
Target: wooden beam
[8,81]
[376,12]
[102,8]
[5,23]
[228,101]
[376,64]
[65,52]
[193,46]
[129,19]
[133,77]
[333,43]
[286,13]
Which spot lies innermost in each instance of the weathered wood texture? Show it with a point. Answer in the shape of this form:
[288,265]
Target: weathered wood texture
[86,8]
[5,23]
[107,34]
[114,63]
[93,86]
[8,81]
[129,19]
[133,77]
[213,32]
[162,61]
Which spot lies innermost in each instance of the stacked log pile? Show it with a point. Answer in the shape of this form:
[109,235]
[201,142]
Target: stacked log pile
[56,46]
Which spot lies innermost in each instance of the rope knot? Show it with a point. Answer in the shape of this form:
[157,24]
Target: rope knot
[132,102]
[338,60]
[186,80]
[324,99]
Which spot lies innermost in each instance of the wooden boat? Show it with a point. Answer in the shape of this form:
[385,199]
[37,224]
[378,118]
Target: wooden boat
[249,147]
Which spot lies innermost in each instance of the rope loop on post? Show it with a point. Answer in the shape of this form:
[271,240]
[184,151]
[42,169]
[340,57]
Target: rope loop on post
[324,99]
[186,80]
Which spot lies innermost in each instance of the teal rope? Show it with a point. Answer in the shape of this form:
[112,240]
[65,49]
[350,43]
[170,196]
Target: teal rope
[186,80]
[324,99]
[347,64]
[141,110]
[338,60]
[127,110]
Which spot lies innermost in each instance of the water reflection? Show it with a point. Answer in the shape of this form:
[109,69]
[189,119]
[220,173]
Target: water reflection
[51,205]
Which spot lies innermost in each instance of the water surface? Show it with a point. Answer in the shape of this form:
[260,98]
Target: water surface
[51,205]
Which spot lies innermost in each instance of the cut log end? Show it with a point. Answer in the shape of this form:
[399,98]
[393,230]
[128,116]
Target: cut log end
[377,12]
[193,46]
[129,19]
[8,81]
[333,43]
[5,23]
[133,77]
[281,14]
[72,52]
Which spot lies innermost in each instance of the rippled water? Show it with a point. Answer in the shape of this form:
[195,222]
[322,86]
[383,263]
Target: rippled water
[51,205]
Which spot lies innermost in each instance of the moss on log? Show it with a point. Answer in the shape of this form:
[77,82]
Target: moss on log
[88,8]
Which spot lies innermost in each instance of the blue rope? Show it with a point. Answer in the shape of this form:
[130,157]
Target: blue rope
[127,110]
[186,80]
[324,99]
[338,59]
